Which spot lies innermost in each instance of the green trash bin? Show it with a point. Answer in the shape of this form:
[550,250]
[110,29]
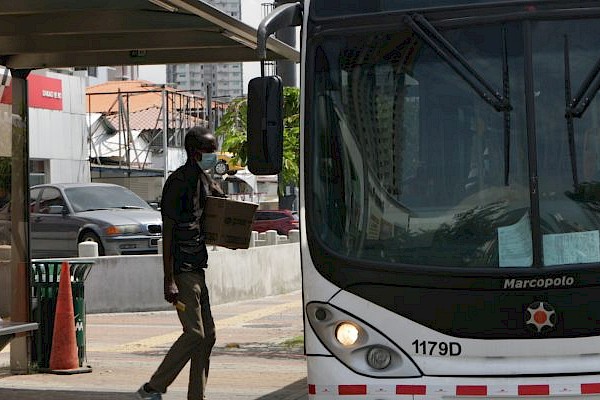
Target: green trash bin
[45,275]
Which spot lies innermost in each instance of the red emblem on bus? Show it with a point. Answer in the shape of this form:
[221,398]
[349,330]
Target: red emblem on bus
[541,315]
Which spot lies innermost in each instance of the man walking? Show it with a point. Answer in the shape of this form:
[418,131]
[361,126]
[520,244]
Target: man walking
[185,258]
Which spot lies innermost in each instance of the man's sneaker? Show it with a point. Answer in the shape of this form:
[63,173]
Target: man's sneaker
[145,394]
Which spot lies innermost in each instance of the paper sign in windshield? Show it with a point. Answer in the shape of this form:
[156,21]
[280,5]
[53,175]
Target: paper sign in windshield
[572,248]
[514,244]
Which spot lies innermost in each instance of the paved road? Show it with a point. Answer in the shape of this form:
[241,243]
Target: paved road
[257,356]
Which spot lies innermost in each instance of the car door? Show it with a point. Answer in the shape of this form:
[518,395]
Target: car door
[261,221]
[268,220]
[280,222]
[53,231]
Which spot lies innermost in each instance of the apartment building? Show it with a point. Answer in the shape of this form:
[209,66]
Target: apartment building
[226,79]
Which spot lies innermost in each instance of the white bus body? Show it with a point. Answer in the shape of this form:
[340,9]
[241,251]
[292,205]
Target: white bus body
[450,204]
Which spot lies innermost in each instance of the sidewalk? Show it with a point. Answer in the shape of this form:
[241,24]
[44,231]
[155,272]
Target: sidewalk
[258,356]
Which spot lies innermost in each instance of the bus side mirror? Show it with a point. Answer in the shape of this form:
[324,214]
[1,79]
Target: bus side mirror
[265,125]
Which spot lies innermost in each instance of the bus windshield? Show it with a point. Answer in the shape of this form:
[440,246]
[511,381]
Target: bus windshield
[413,166]
[328,8]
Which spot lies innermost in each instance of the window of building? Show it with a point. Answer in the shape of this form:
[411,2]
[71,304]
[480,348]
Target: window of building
[37,172]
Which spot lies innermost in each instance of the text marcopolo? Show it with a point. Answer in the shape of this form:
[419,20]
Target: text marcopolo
[538,283]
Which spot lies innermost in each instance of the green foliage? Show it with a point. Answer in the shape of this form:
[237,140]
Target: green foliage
[296,341]
[291,136]
[5,176]
[233,127]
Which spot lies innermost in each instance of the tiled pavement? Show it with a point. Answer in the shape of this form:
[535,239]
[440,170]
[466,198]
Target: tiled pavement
[252,359]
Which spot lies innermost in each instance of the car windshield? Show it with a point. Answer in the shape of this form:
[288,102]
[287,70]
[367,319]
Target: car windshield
[91,198]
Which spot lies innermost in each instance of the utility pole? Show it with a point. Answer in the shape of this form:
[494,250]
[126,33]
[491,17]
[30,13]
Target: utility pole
[165,134]
[208,111]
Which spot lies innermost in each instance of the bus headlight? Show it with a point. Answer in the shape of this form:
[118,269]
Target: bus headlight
[346,333]
[356,344]
[379,357]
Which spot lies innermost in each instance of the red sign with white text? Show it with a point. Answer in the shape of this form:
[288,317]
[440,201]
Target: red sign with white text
[43,92]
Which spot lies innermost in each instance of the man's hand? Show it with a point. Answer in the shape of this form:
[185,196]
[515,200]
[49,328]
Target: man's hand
[171,291]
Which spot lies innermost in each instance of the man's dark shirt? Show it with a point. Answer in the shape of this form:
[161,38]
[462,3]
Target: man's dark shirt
[183,200]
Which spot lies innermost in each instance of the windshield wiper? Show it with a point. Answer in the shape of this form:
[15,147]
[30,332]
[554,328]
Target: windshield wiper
[455,60]
[445,49]
[570,114]
[130,207]
[577,106]
[506,94]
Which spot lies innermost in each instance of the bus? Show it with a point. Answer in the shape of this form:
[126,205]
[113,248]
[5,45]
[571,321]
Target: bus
[450,195]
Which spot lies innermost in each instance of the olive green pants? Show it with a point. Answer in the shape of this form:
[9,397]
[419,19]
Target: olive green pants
[196,341]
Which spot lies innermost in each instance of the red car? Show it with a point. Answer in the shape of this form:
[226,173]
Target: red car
[281,221]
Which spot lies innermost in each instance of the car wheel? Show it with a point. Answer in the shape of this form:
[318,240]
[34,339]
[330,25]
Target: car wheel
[221,168]
[92,237]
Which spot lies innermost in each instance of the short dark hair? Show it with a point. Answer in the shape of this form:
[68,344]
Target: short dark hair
[199,138]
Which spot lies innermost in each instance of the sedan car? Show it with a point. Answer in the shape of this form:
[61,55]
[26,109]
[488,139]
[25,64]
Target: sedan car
[63,215]
[281,221]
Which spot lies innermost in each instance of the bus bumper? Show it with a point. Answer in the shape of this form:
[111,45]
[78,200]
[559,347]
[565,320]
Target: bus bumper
[329,379]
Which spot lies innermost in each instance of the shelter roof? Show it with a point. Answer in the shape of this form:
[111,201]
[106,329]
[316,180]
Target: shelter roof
[79,33]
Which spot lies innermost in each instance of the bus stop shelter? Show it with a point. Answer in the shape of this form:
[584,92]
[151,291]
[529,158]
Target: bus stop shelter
[36,34]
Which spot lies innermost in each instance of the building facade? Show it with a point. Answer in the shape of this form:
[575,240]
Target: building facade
[58,146]
[59,149]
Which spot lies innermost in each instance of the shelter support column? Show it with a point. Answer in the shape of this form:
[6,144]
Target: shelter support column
[20,255]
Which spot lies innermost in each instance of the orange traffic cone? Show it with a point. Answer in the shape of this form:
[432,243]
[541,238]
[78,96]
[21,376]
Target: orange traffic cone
[63,356]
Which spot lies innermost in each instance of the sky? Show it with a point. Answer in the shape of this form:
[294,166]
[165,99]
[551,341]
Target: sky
[251,15]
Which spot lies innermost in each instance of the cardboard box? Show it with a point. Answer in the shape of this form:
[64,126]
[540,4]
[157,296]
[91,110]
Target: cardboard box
[228,223]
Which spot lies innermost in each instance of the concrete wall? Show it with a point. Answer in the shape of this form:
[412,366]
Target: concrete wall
[135,283]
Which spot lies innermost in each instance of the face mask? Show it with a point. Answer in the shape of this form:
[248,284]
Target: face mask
[208,161]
